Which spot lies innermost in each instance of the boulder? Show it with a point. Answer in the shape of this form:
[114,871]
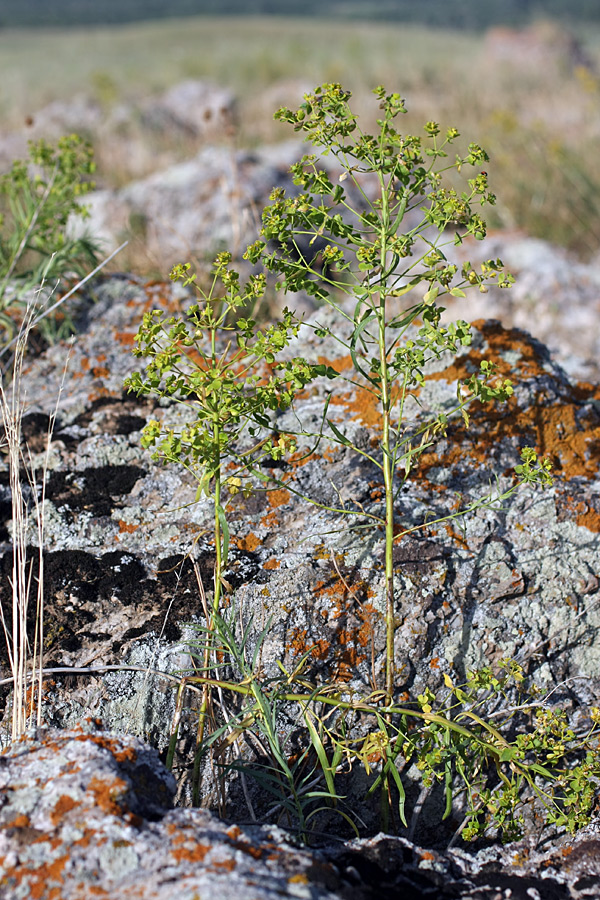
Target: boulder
[543,45]
[194,209]
[86,813]
[555,297]
[80,115]
[125,543]
[196,108]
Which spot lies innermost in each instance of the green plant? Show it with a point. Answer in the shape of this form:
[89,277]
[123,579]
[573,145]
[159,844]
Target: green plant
[524,754]
[38,196]
[319,242]
[214,362]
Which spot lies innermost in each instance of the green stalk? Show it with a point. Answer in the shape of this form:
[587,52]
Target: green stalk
[494,746]
[388,479]
[216,604]
[218,536]
[387,462]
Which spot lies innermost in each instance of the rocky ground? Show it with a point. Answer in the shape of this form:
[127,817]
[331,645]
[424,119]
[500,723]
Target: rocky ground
[88,812]
[121,591]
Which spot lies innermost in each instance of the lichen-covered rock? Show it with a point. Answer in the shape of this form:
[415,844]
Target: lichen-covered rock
[518,580]
[199,108]
[85,813]
[196,208]
[88,815]
[555,297]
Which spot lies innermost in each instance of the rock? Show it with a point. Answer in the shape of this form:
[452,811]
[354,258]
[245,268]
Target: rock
[555,297]
[87,813]
[541,46]
[121,531]
[194,209]
[131,138]
[197,108]
[80,115]
[197,208]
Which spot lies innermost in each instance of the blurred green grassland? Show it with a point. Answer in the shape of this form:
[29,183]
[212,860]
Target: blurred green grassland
[533,101]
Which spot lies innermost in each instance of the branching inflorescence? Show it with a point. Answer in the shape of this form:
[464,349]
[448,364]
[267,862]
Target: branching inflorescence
[385,280]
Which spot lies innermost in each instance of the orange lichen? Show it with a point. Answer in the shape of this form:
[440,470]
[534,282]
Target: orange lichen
[272,564]
[363,405]
[21,821]
[225,865]
[456,536]
[39,879]
[254,852]
[270,520]
[340,364]
[127,338]
[127,527]
[353,626]
[584,514]
[100,372]
[568,432]
[121,754]
[250,543]
[278,497]
[106,794]
[62,806]
[299,458]
[191,852]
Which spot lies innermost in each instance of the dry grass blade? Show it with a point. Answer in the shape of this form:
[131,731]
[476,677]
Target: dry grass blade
[11,410]
[27,486]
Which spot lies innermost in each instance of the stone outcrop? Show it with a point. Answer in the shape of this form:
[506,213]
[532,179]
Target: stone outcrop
[555,297]
[195,208]
[88,814]
[197,108]
[545,45]
[518,580]
[214,201]
[123,533]
[131,137]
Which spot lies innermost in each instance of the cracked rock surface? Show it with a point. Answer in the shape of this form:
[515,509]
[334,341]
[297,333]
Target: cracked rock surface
[85,813]
[125,543]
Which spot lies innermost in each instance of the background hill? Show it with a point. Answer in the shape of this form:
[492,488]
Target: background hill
[473,14]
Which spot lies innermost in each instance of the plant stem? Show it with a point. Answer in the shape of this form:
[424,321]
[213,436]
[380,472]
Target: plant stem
[218,536]
[215,606]
[388,479]
[388,457]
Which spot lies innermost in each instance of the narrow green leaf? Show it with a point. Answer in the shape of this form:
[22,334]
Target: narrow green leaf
[341,437]
[320,751]
[393,771]
[224,533]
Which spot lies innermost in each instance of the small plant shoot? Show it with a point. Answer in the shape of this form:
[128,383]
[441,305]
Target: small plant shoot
[37,198]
